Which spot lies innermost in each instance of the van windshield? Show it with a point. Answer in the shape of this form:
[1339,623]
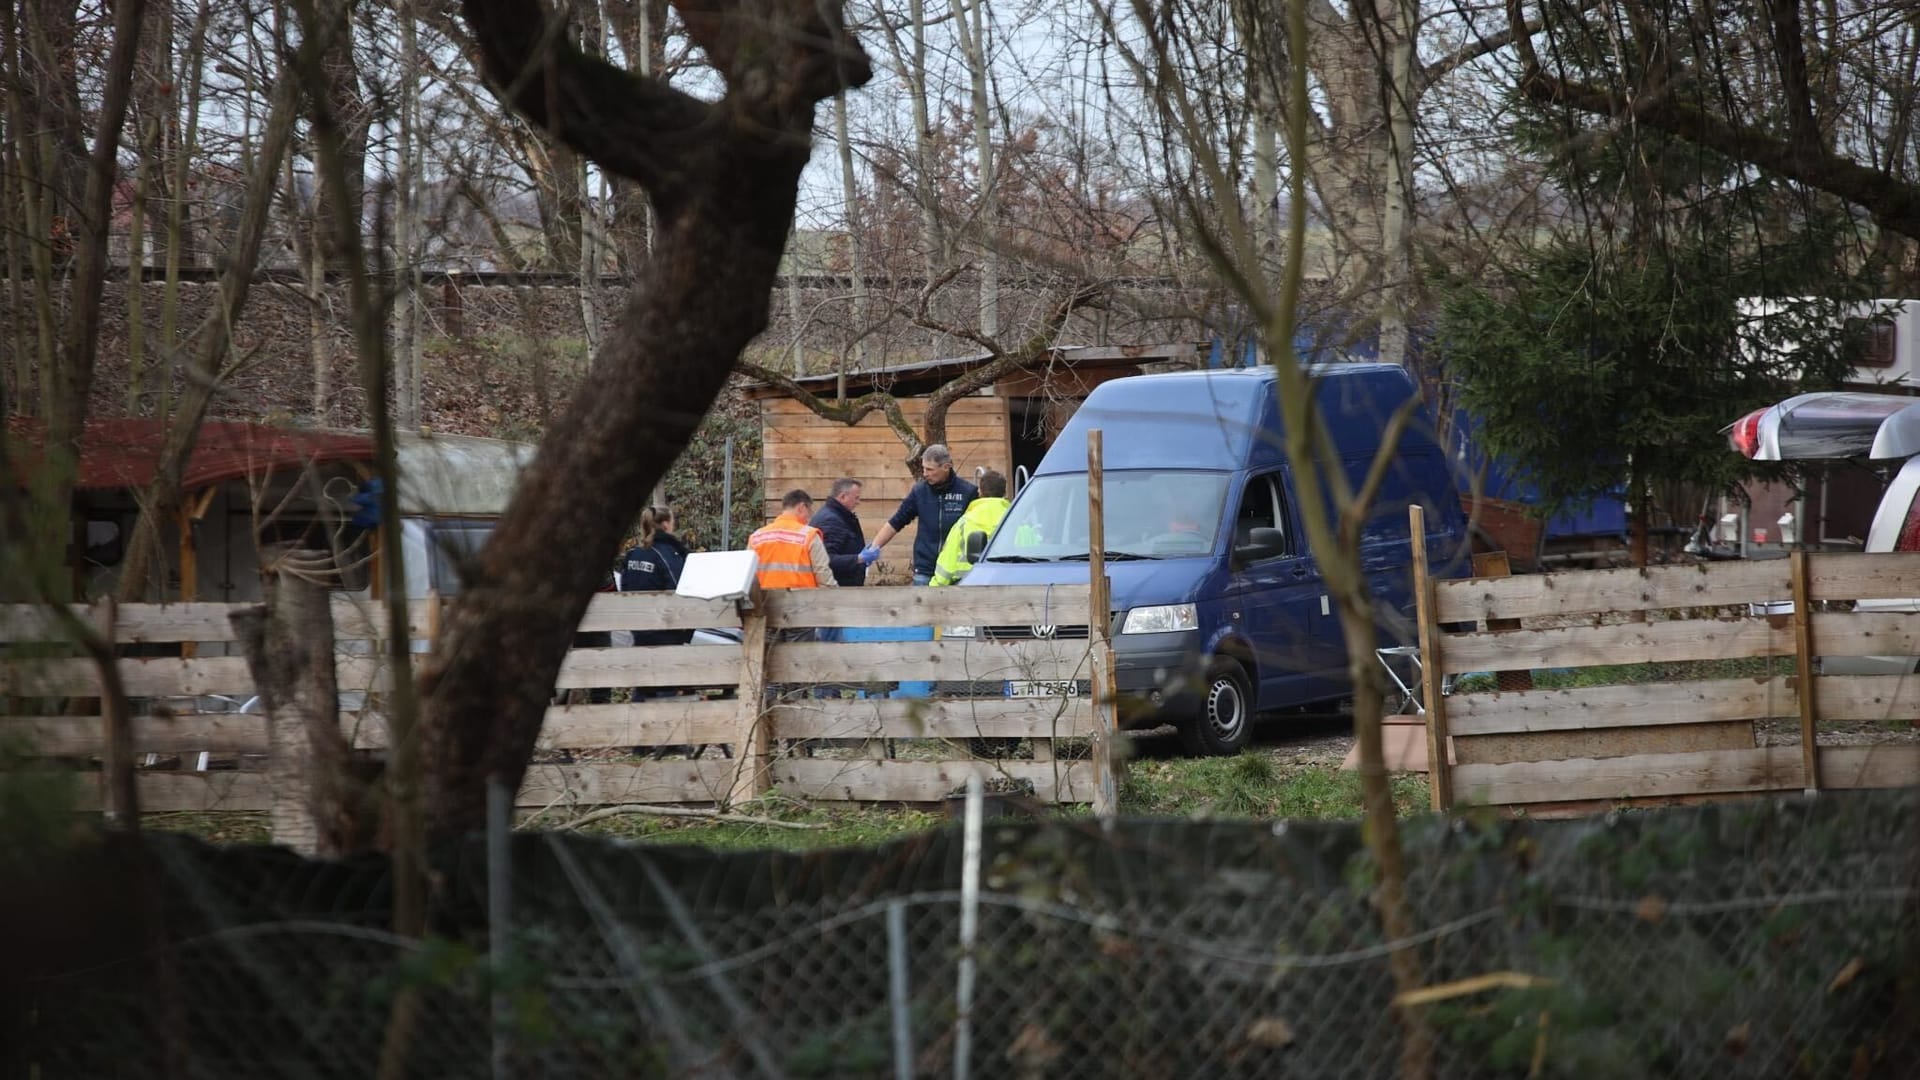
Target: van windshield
[1150,514]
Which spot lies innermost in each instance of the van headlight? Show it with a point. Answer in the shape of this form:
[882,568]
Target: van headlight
[1161,619]
[958,631]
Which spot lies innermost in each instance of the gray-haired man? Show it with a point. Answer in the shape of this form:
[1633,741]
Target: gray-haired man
[937,501]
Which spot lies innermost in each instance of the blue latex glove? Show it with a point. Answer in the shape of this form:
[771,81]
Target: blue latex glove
[869,555]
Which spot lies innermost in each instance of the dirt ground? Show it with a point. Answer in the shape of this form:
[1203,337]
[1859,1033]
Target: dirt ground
[1319,740]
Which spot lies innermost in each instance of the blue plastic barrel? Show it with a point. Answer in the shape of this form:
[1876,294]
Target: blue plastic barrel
[894,633]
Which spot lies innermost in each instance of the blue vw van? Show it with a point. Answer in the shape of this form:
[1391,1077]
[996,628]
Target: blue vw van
[1219,609]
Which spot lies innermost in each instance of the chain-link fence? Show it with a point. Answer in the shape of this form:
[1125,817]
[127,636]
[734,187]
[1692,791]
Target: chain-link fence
[1763,939]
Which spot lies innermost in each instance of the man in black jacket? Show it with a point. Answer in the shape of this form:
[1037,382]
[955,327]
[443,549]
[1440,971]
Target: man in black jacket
[840,530]
[937,501]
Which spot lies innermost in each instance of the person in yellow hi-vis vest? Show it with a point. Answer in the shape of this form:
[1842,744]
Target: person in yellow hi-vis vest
[983,516]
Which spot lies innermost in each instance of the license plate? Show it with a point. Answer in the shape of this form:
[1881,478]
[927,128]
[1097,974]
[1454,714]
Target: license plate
[1043,688]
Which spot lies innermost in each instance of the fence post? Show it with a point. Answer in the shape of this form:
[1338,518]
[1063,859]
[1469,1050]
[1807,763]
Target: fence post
[123,795]
[499,922]
[1439,773]
[752,742]
[897,990]
[1105,790]
[1803,667]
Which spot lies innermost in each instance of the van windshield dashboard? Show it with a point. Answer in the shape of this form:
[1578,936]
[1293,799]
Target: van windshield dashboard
[1150,514]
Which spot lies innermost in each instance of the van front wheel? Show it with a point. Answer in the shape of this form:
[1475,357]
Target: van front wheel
[1224,723]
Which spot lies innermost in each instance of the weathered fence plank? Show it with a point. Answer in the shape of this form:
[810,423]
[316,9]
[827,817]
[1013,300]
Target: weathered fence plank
[1847,767]
[159,676]
[1626,589]
[1029,718]
[1870,697]
[830,779]
[1710,771]
[1603,742]
[1626,643]
[164,792]
[589,784]
[902,605]
[1866,633]
[1630,705]
[651,666]
[657,611]
[1771,768]
[1880,575]
[953,659]
[83,736]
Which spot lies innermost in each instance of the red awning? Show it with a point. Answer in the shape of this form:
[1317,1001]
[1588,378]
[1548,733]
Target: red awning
[125,452]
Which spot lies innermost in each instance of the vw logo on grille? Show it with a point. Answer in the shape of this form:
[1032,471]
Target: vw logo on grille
[1045,631]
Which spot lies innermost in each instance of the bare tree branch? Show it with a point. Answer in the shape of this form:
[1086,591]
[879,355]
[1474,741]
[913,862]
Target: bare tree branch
[1894,203]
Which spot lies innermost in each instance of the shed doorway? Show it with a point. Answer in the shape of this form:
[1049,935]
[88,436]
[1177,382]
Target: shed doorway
[1032,424]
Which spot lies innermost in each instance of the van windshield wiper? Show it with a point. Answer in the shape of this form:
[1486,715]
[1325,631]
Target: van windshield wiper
[1016,558]
[1111,556]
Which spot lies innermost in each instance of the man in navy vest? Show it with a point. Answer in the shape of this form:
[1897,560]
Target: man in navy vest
[938,501]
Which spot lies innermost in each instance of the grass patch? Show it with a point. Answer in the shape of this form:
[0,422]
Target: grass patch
[838,825]
[1254,786]
[218,827]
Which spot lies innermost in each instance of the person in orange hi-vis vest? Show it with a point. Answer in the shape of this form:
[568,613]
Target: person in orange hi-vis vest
[792,553]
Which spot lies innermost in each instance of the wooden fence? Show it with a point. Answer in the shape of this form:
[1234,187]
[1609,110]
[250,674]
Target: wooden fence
[756,698]
[1661,722]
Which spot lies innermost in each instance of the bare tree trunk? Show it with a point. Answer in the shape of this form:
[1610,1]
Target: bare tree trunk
[338,78]
[725,204]
[1396,300]
[912,65]
[406,222]
[179,220]
[589,262]
[856,246]
[593,36]
[796,348]
[973,47]
[322,803]
[12,231]
[934,236]
[319,323]
[67,414]
[641,28]
[48,67]
[136,272]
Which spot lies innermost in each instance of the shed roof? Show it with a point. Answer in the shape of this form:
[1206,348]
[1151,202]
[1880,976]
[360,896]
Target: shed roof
[440,474]
[941,368]
[124,452]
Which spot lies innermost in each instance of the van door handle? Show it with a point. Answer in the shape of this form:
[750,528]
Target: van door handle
[1299,572]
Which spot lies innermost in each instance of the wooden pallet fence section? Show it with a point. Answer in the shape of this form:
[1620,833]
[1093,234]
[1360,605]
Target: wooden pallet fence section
[743,700]
[1681,683]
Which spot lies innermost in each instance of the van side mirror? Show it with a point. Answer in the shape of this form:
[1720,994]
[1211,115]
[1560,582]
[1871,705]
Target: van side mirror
[1262,544]
[976,546]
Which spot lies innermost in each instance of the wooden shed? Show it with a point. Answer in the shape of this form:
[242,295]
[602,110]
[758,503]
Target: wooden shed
[1006,426]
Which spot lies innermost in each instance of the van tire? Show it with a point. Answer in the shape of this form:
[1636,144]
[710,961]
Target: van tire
[1224,724]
